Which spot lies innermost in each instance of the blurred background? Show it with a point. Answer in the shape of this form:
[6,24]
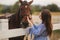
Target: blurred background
[8,7]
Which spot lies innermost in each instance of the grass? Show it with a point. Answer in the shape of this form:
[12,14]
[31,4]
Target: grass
[55,13]
[37,13]
[56,35]
[57,31]
[52,13]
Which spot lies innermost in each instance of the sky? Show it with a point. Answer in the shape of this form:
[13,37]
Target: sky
[40,2]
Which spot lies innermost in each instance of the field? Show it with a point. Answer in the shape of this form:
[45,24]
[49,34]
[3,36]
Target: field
[55,17]
[56,35]
[55,13]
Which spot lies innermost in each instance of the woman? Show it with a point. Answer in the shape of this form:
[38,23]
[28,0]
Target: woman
[44,30]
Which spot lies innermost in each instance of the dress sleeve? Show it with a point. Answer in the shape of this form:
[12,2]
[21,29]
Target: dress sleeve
[36,30]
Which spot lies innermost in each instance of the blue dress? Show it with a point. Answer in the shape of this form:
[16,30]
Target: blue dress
[39,32]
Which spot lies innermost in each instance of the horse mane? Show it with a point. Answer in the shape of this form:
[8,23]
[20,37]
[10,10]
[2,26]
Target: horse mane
[14,21]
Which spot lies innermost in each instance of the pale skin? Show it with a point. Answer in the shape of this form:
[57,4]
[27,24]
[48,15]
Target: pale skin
[31,21]
[28,36]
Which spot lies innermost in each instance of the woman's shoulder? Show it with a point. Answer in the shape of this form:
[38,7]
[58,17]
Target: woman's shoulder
[41,25]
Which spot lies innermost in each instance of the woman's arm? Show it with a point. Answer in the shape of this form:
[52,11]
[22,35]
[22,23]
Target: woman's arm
[36,30]
[30,21]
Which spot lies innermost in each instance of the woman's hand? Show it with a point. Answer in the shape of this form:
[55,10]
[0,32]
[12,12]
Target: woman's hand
[30,21]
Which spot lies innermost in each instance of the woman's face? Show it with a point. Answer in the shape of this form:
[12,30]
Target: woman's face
[40,16]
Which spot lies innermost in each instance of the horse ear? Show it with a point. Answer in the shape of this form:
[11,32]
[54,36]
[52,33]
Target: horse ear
[30,2]
[20,1]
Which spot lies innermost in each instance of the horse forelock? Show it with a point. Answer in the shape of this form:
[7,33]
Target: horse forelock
[24,3]
[25,9]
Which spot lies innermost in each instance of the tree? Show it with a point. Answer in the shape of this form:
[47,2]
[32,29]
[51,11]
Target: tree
[53,7]
[1,8]
[36,8]
[6,9]
[15,7]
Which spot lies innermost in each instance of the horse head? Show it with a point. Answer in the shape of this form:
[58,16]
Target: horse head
[24,12]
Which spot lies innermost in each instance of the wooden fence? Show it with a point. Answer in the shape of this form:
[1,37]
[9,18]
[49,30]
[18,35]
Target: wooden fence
[5,33]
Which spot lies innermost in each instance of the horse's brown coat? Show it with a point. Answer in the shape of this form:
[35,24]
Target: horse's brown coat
[19,20]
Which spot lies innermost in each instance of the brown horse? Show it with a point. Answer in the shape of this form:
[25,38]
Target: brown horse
[19,20]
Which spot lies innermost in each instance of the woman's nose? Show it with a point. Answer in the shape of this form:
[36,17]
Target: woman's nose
[39,16]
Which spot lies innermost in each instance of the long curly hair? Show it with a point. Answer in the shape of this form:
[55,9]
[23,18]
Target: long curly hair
[46,19]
